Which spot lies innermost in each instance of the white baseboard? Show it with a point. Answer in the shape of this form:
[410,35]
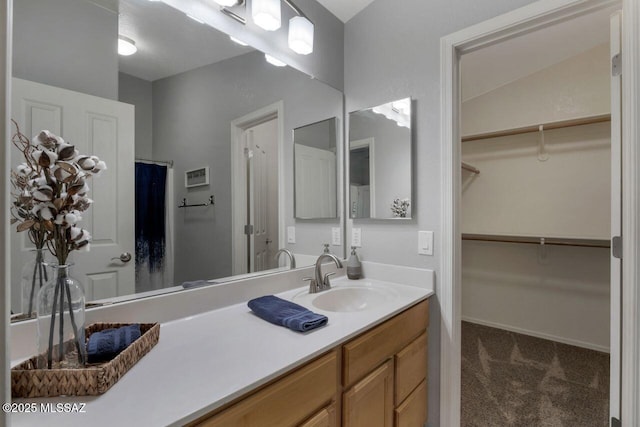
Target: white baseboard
[564,340]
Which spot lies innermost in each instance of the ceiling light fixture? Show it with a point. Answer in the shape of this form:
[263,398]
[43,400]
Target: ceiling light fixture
[240,42]
[273,61]
[266,14]
[126,46]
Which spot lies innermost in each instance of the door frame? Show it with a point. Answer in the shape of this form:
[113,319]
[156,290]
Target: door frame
[238,178]
[519,21]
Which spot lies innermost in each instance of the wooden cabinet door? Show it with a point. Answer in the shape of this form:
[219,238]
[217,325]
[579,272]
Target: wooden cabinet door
[413,411]
[369,403]
[325,418]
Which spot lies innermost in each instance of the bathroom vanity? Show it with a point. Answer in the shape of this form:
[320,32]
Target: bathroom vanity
[376,379]
[216,367]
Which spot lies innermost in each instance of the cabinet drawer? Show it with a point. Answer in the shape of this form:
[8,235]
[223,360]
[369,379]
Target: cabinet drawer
[325,418]
[369,350]
[413,411]
[411,367]
[286,402]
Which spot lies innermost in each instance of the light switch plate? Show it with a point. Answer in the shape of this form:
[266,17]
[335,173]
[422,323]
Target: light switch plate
[291,234]
[335,236]
[356,237]
[425,242]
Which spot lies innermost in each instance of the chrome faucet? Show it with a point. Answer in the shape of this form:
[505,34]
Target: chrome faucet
[321,283]
[292,259]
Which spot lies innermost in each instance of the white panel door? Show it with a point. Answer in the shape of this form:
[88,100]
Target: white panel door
[315,182]
[616,221]
[105,128]
[262,144]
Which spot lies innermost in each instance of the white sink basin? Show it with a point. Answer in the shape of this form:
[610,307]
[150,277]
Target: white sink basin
[349,298]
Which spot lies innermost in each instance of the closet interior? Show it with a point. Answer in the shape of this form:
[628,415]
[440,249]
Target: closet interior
[536,226]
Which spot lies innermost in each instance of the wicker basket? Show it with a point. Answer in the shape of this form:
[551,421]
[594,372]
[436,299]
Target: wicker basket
[94,379]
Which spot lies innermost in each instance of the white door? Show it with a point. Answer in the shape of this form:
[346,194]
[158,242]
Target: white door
[262,193]
[104,128]
[315,182]
[616,219]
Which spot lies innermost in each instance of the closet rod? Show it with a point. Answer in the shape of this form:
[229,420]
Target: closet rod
[536,128]
[586,243]
[470,168]
[164,162]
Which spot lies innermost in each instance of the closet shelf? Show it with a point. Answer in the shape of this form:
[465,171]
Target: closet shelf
[556,241]
[535,128]
[467,166]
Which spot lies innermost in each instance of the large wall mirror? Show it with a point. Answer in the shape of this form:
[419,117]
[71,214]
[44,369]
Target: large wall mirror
[197,134]
[380,159]
[316,165]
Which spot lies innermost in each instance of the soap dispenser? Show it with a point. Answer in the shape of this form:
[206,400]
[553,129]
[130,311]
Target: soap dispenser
[354,267]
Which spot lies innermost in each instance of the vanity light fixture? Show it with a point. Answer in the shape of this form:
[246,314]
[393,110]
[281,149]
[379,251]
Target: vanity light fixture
[266,14]
[240,42]
[126,46]
[273,61]
[301,35]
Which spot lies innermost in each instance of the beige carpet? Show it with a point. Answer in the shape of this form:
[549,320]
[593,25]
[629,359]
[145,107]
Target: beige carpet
[509,379]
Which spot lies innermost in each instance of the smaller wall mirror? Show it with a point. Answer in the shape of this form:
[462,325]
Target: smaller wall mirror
[380,151]
[315,152]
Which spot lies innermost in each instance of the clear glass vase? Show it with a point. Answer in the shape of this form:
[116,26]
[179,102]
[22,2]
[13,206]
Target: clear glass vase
[61,317]
[35,274]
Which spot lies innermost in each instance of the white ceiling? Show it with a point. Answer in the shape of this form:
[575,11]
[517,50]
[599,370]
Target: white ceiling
[345,9]
[494,66]
[168,41]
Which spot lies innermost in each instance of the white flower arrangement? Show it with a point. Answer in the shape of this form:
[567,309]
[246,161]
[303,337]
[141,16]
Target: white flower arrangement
[50,192]
[400,207]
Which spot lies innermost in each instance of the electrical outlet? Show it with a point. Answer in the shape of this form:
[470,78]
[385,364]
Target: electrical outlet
[336,238]
[425,242]
[356,237]
[291,234]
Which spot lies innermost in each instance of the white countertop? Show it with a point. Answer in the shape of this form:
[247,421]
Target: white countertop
[204,361]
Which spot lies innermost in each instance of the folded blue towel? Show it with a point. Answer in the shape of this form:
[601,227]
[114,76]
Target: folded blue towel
[285,313]
[107,344]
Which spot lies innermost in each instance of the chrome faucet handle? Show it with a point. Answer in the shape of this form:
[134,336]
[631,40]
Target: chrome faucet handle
[313,285]
[326,283]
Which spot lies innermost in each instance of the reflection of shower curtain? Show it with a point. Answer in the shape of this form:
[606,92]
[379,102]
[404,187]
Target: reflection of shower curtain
[154,258]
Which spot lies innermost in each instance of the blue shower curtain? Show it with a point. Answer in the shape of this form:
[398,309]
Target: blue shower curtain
[151,183]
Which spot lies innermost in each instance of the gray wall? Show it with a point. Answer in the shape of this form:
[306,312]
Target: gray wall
[320,135]
[192,112]
[139,93]
[392,51]
[66,43]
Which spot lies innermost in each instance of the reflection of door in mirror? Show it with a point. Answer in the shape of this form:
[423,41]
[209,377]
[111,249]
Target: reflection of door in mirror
[262,194]
[362,178]
[95,126]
